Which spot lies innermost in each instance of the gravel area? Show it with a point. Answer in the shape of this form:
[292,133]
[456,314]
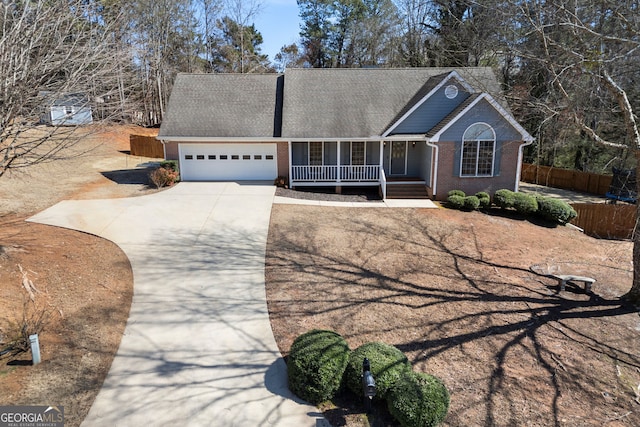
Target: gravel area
[349,194]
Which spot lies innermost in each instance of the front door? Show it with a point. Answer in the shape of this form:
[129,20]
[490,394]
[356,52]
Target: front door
[398,158]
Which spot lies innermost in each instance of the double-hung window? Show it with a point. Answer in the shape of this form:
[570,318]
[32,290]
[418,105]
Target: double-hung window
[478,150]
[357,153]
[315,153]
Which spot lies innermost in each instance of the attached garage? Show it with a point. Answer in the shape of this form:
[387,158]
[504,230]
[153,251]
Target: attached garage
[228,162]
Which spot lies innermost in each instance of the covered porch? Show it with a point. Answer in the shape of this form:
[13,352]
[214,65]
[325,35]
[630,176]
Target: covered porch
[341,163]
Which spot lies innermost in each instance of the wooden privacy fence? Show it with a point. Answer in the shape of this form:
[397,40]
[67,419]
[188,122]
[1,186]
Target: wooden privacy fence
[146,146]
[606,220]
[565,178]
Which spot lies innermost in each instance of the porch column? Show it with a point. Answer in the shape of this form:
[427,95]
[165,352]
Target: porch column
[381,153]
[339,143]
[290,165]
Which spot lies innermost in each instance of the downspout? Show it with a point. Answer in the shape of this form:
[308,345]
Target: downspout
[435,167]
[164,148]
[180,161]
[519,167]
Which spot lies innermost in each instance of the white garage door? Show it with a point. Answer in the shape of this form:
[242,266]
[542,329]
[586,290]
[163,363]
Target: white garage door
[228,162]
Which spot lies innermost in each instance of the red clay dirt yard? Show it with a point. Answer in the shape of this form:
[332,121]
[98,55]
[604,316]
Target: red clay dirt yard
[456,292]
[82,284]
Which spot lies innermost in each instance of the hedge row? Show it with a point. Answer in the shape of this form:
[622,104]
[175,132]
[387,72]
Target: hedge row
[320,362]
[551,209]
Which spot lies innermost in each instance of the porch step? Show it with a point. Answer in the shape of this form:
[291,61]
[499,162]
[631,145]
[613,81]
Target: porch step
[406,191]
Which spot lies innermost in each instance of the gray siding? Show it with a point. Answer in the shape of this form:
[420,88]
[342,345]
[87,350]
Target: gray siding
[482,112]
[330,153]
[299,153]
[426,164]
[431,112]
[415,157]
[345,152]
[373,153]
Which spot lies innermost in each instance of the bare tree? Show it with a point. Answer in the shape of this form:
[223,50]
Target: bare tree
[210,9]
[418,35]
[48,49]
[587,56]
[165,41]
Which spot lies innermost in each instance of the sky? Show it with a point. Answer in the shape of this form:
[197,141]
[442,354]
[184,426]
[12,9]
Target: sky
[279,24]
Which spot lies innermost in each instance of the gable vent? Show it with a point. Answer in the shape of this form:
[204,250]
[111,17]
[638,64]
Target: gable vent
[451,91]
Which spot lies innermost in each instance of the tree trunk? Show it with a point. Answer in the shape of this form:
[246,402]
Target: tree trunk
[634,293]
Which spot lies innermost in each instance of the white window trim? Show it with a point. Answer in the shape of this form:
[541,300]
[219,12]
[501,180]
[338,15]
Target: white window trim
[364,153]
[321,152]
[477,141]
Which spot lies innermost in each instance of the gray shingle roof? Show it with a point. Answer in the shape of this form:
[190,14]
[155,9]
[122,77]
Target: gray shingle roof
[315,103]
[223,105]
[339,103]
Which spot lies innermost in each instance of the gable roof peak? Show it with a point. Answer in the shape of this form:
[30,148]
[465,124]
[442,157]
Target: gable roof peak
[434,134]
[430,87]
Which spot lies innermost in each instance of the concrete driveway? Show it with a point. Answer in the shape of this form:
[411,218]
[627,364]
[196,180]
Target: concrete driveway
[198,348]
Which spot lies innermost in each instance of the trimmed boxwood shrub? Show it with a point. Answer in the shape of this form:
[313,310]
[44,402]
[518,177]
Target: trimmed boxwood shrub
[316,365]
[418,400]
[388,364]
[456,193]
[456,201]
[504,198]
[484,199]
[471,203]
[525,204]
[555,210]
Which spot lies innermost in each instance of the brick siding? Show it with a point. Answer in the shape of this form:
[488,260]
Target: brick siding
[448,180]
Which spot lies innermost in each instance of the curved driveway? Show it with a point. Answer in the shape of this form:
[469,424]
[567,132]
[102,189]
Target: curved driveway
[198,349]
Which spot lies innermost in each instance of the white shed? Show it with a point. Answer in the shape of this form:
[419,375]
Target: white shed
[71,109]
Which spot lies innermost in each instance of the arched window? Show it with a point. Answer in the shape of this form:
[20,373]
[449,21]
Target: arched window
[478,150]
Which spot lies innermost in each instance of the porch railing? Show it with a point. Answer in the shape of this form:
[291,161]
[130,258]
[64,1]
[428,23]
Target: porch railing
[336,173]
[360,173]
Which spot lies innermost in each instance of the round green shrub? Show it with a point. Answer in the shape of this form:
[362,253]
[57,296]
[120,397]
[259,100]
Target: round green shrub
[471,202]
[418,400]
[388,364]
[525,204]
[316,365]
[555,210]
[485,199]
[504,198]
[456,201]
[456,193]
[169,164]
